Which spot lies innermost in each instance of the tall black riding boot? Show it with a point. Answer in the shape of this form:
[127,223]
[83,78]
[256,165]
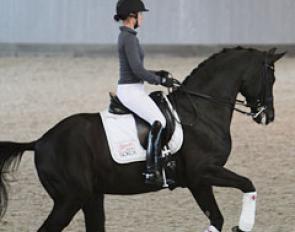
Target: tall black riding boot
[153,155]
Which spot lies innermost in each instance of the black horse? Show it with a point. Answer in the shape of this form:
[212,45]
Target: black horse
[74,164]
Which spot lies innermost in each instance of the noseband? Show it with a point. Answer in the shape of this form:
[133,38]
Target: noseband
[260,104]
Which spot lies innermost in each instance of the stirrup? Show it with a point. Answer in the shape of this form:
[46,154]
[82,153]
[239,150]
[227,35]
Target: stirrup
[153,178]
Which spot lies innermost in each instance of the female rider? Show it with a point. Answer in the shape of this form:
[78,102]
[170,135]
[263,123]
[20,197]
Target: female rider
[130,89]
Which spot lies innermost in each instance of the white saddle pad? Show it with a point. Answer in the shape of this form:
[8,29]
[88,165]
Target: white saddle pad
[123,141]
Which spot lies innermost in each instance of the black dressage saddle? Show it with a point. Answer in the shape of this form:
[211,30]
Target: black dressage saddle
[117,107]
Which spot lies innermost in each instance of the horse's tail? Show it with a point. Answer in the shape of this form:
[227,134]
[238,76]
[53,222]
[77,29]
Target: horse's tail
[10,157]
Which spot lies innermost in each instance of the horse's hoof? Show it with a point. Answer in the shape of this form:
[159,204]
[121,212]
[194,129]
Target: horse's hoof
[236,229]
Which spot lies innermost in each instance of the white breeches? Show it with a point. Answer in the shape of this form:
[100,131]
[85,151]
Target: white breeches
[134,97]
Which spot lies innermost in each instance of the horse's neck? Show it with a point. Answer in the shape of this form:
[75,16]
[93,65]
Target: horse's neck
[224,86]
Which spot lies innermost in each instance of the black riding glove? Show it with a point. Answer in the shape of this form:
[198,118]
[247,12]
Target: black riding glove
[166,78]
[163,73]
[167,82]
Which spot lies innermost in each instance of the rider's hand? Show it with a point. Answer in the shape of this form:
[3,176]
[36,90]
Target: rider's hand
[163,73]
[166,78]
[167,82]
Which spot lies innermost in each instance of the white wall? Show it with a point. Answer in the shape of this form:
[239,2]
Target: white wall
[169,21]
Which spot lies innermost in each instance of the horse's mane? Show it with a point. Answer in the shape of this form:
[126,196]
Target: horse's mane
[217,55]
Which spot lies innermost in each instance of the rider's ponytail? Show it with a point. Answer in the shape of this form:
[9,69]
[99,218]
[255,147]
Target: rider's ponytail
[117,17]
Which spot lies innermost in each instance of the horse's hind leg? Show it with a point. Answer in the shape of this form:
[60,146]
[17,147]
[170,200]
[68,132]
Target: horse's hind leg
[94,214]
[205,198]
[222,177]
[60,216]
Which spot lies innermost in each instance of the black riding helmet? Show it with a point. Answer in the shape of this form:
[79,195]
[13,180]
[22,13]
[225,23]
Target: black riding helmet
[127,7]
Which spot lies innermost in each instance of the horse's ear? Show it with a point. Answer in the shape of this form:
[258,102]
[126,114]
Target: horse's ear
[278,56]
[272,51]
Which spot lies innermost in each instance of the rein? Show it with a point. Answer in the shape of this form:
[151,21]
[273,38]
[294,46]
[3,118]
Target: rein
[212,99]
[259,105]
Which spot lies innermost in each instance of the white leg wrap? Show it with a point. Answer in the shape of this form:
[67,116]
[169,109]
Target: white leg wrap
[211,229]
[247,218]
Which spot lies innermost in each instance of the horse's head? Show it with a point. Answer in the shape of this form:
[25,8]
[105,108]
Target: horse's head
[257,87]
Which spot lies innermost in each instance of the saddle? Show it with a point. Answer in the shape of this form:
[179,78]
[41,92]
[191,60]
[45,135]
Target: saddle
[143,127]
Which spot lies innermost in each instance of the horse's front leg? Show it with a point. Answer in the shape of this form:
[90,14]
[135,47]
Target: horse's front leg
[222,177]
[204,196]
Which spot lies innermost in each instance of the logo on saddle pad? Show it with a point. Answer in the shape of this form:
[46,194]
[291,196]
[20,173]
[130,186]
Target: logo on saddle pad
[127,148]
[122,136]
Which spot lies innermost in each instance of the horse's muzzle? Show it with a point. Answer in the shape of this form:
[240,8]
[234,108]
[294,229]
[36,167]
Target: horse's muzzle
[265,117]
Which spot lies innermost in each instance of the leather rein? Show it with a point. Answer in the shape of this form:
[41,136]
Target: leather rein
[259,104]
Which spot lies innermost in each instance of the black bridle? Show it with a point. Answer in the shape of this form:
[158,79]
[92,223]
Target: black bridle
[260,103]
[263,100]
